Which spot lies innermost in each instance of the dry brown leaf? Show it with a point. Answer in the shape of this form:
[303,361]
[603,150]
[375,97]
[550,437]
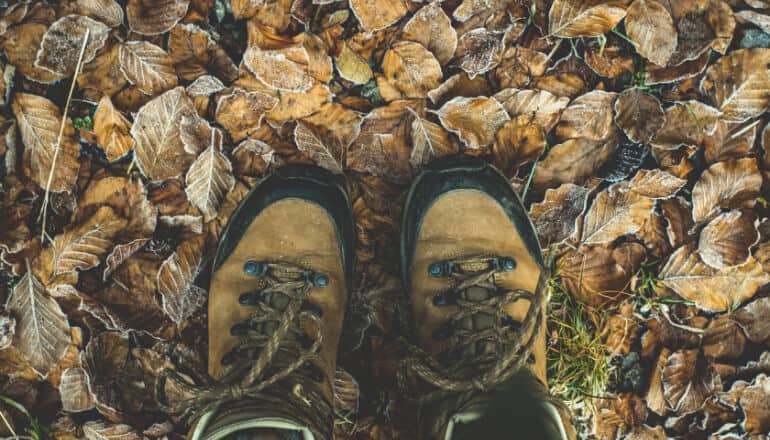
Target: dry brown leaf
[205,85]
[194,53]
[761,21]
[584,18]
[103,74]
[39,122]
[715,290]
[723,339]
[17,42]
[61,45]
[620,330]
[459,85]
[127,197]
[120,253]
[209,179]
[108,12]
[374,15]
[382,147]
[245,8]
[610,59]
[479,51]
[687,123]
[241,112]
[411,69]
[556,217]
[431,27]
[739,84]
[756,405]
[83,246]
[429,141]
[42,332]
[616,211]
[73,388]
[639,114]
[181,298]
[158,149]
[284,69]
[545,107]
[688,380]
[147,66]
[654,184]
[700,25]
[731,140]
[572,161]
[727,239]
[753,319]
[519,67]
[599,274]
[154,17]
[647,433]
[252,158]
[518,142]
[352,67]
[474,120]
[112,130]
[292,106]
[588,117]
[98,430]
[321,144]
[650,25]
[726,185]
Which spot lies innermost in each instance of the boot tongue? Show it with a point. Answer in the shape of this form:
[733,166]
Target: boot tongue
[477,321]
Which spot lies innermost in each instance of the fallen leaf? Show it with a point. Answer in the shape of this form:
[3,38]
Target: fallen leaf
[39,122]
[193,53]
[20,43]
[181,298]
[209,179]
[241,112]
[655,74]
[588,117]
[739,84]
[205,85]
[612,58]
[655,184]
[572,161]
[647,433]
[478,51]
[429,141]
[42,331]
[120,253]
[61,45]
[598,274]
[686,123]
[154,17]
[727,239]
[374,15]
[715,290]
[650,25]
[412,69]
[584,18]
[723,339]
[731,140]
[353,67]
[556,217]
[98,430]
[726,185]
[431,27]
[519,67]
[459,85]
[108,12]
[639,114]
[700,25]
[103,74]
[474,120]
[518,142]
[688,381]
[158,149]
[756,406]
[620,330]
[545,107]
[73,388]
[252,158]
[761,21]
[753,319]
[112,130]
[283,69]
[616,211]
[147,66]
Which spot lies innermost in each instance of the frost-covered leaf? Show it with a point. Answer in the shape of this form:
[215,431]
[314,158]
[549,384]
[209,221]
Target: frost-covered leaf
[374,15]
[154,17]
[147,66]
[108,12]
[181,298]
[98,430]
[412,69]
[429,141]
[431,27]
[73,388]
[726,240]
[112,130]
[615,212]
[556,217]
[544,106]
[650,25]
[478,51]
[585,18]
[739,84]
[474,120]
[588,117]
[60,49]
[726,185]
[83,247]
[639,115]
[688,380]
[241,112]
[209,179]
[284,69]
[42,331]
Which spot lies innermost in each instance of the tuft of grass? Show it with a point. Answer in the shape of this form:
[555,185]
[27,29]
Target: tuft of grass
[35,429]
[579,367]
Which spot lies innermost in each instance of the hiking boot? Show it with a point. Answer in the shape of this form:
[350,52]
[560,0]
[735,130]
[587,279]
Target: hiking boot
[279,288]
[474,272]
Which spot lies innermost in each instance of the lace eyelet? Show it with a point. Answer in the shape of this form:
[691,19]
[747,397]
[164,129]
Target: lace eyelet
[531,359]
[240,329]
[255,268]
[505,264]
[320,280]
[250,299]
[228,358]
[312,308]
[441,269]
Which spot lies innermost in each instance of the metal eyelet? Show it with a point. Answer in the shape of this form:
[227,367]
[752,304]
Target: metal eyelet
[239,329]
[441,269]
[320,280]
[250,299]
[256,268]
[505,264]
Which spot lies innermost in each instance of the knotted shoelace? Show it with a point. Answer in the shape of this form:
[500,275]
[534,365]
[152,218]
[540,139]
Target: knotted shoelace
[276,375]
[487,371]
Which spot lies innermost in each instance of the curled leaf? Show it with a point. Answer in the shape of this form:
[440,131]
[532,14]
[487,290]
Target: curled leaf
[726,240]
[556,217]
[181,298]
[475,120]
[727,185]
[112,130]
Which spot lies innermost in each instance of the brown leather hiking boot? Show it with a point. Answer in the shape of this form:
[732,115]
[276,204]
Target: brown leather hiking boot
[278,293]
[475,276]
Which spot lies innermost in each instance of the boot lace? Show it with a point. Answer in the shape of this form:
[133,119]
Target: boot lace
[272,362]
[512,341]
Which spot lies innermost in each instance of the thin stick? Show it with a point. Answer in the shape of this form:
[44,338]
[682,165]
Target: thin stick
[8,425]
[61,133]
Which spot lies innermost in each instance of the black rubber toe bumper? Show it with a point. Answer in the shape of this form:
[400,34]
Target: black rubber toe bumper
[459,173]
[295,181]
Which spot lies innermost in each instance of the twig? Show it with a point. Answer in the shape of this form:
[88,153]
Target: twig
[8,425]
[61,133]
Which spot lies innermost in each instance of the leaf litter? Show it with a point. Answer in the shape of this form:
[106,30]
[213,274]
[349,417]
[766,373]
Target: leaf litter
[636,132]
